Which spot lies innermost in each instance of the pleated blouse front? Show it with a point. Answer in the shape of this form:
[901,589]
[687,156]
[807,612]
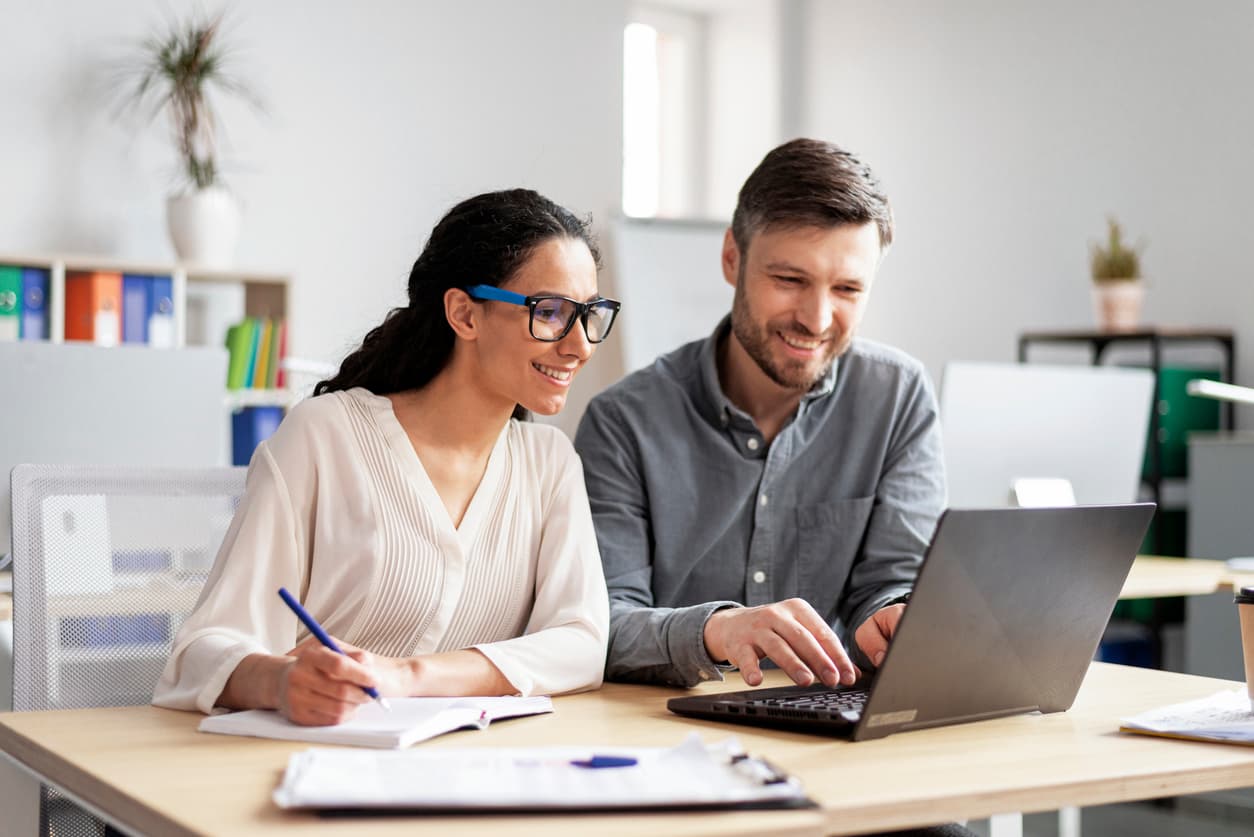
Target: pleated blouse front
[339,507]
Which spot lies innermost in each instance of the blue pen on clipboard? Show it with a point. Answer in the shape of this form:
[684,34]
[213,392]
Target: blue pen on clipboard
[605,761]
[316,630]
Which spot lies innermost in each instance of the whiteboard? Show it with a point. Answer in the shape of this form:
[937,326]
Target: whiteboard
[667,276]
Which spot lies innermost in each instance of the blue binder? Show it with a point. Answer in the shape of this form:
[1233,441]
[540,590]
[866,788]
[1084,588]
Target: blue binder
[161,313]
[250,427]
[136,291]
[35,285]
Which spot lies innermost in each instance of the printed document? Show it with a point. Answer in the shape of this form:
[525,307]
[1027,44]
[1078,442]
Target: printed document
[536,779]
[1224,716]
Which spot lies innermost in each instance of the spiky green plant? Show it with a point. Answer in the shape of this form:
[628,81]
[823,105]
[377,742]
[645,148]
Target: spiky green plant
[175,72]
[1115,262]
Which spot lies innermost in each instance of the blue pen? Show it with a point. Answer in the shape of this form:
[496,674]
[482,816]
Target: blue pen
[605,761]
[316,630]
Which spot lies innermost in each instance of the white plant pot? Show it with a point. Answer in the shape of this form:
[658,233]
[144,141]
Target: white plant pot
[204,226]
[1118,304]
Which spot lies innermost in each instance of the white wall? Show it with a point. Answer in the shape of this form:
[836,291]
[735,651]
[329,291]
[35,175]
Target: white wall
[381,116]
[1006,132]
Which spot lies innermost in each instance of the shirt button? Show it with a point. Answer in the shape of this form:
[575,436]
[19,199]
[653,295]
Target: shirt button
[762,500]
[752,443]
[759,577]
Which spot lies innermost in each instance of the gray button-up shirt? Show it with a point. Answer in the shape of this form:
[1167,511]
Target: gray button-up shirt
[694,512]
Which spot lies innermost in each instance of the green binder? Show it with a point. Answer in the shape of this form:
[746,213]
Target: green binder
[10,302]
[1179,414]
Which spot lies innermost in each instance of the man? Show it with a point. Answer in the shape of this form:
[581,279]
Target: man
[768,492]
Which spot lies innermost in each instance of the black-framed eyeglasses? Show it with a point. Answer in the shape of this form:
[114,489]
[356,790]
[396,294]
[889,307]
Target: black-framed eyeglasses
[553,316]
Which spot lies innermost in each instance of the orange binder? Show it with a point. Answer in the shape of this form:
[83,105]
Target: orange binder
[93,307]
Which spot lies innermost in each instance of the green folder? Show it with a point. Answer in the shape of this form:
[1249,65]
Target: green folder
[10,302]
[239,343]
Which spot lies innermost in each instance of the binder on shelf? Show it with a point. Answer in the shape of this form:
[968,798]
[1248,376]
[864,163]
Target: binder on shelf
[10,302]
[160,313]
[250,427]
[136,290]
[93,306]
[239,345]
[272,365]
[254,337]
[35,287]
[265,327]
[280,377]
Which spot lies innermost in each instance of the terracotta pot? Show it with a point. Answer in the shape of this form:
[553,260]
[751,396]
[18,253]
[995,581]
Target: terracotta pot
[204,226]
[1118,304]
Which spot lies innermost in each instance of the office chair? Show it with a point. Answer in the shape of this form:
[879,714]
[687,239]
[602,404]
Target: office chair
[107,561]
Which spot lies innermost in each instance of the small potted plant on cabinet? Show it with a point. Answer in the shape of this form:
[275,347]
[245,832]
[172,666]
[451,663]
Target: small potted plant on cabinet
[1118,291]
[175,72]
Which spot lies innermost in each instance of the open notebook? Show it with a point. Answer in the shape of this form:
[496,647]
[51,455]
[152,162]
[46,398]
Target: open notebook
[410,721]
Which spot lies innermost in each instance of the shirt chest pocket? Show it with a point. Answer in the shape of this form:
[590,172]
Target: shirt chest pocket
[829,536]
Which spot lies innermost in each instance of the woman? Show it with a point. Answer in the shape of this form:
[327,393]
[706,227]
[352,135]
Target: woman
[448,545]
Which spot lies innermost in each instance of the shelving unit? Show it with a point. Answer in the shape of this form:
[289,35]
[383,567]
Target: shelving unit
[1162,618]
[1158,341]
[265,295]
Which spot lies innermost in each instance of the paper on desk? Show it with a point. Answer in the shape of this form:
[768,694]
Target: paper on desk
[536,778]
[1224,716]
[410,720]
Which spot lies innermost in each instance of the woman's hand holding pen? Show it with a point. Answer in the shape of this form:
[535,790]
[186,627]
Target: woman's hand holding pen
[318,686]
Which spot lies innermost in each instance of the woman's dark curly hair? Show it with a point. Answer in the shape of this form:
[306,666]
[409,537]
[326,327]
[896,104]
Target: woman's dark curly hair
[481,241]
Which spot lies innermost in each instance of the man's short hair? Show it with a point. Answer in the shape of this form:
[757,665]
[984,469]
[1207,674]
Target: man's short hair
[807,182]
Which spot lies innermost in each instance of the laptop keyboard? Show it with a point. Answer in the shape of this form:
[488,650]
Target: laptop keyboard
[841,701]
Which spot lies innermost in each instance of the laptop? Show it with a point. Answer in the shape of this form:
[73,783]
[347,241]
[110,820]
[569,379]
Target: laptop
[1006,614]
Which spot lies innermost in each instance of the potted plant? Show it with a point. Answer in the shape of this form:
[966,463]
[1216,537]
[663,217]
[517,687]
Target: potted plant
[175,73]
[1118,291]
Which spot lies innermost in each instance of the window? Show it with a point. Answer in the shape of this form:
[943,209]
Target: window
[663,113]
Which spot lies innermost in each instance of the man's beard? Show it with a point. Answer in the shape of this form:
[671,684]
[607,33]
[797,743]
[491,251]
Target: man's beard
[791,374]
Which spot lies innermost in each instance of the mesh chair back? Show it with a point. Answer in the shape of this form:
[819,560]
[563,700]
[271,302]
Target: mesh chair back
[107,561]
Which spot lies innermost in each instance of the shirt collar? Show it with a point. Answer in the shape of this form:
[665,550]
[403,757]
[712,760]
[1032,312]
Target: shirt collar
[714,403]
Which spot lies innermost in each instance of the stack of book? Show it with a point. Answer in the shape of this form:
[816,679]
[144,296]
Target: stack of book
[257,347]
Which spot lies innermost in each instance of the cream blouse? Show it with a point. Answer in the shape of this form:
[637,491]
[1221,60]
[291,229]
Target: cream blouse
[339,510]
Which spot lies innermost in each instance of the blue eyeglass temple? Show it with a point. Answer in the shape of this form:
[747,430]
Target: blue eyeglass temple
[493,292]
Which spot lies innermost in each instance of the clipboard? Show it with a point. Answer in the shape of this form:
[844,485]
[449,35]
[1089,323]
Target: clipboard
[691,776]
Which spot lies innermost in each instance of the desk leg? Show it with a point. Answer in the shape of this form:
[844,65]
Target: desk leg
[1005,825]
[19,798]
[1069,821]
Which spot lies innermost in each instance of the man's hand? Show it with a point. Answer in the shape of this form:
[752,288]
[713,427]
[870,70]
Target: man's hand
[873,635]
[790,633]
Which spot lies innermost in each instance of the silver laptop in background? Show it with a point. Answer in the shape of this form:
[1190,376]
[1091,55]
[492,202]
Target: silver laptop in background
[1005,617]
[1010,422]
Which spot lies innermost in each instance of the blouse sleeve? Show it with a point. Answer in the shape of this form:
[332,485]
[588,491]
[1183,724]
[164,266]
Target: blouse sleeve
[238,612]
[563,646]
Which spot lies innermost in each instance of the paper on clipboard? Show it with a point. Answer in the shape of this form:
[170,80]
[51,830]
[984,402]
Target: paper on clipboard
[690,775]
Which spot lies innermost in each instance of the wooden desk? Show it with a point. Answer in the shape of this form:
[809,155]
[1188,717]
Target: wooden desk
[1154,577]
[152,772]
